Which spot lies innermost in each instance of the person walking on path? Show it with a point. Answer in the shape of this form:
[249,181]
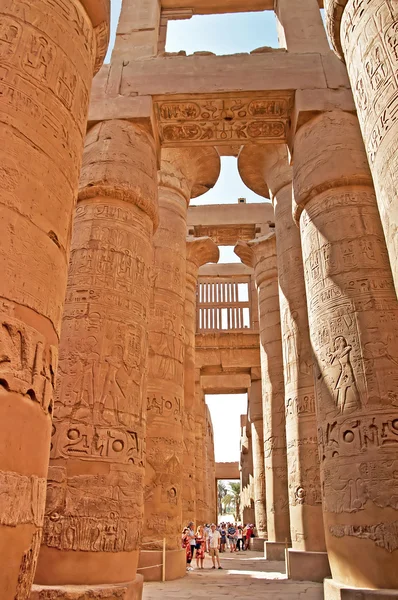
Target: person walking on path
[215,538]
[200,546]
[186,543]
[192,540]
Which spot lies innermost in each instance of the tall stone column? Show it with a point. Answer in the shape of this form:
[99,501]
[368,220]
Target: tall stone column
[365,34]
[48,55]
[261,255]
[257,431]
[199,251]
[246,472]
[200,463]
[184,174]
[210,470]
[94,506]
[266,170]
[353,321]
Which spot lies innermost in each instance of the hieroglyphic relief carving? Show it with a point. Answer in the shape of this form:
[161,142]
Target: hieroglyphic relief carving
[105,519]
[369,39]
[22,499]
[208,120]
[357,369]
[28,364]
[384,535]
[27,568]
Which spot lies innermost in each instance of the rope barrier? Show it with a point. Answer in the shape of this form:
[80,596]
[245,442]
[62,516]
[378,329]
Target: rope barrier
[162,564]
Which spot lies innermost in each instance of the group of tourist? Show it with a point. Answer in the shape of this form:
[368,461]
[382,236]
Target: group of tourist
[214,539]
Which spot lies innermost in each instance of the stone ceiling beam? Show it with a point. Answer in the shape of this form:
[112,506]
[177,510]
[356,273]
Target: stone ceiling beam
[204,7]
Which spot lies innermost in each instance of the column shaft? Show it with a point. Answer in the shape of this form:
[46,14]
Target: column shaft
[164,469]
[94,503]
[47,59]
[257,432]
[353,321]
[261,254]
[366,35]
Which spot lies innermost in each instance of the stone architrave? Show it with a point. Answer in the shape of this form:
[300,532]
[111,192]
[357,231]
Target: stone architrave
[257,436]
[266,170]
[184,174]
[365,34]
[199,251]
[353,322]
[48,54]
[94,509]
[261,255]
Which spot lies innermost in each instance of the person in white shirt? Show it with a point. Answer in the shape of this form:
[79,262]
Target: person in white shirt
[215,538]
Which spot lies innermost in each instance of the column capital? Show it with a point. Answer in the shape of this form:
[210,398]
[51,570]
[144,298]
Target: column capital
[265,169]
[99,13]
[202,250]
[332,142]
[189,171]
[110,167]
[260,254]
[334,11]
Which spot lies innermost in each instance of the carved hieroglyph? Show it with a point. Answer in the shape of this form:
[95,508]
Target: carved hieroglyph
[184,173]
[257,437]
[96,475]
[365,32]
[47,56]
[199,251]
[353,320]
[210,470]
[267,168]
[207,120]
[261,255]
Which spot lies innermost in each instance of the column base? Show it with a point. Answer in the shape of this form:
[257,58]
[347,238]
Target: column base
[117,591]
[257,544]
[307,566]
[337,591]
[274,550]
[175,564]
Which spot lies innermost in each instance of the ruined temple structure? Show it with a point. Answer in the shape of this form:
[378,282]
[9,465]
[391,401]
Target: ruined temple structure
[117,320]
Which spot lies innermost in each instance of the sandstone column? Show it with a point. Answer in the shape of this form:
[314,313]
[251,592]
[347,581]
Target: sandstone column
[365,35]
[261,255]
[210,471]
[94,503]
[307,558]
[353,321]
[199,251]
[257,431]
[184,174]
[200,463]
[48,55]
[246,472]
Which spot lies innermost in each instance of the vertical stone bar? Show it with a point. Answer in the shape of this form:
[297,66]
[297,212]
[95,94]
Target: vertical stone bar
[365,34]
[48,55]
[353,321]
[261,255]
[246,472]
[199,251]
[307,559]
[94,507]
[210,471]
[257,431]
[184,174]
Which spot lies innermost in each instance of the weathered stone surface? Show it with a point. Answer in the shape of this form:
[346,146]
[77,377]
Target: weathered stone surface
[365,34]
[261,255]
[94,506]
[199,251]
[184,174]
[48,54]
[257,434]
[353,327]
[305,505]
